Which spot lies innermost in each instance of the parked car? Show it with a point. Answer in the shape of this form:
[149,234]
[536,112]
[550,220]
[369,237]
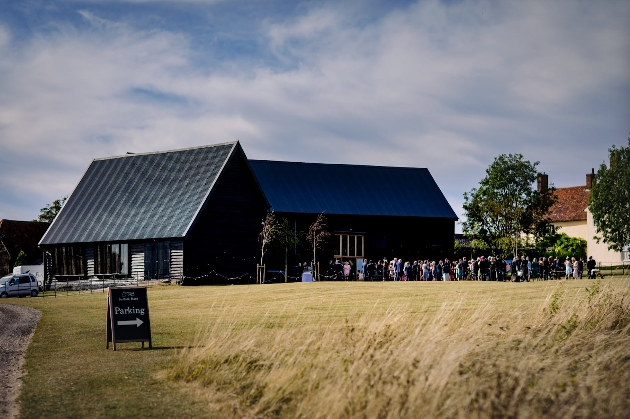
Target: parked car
[18,285]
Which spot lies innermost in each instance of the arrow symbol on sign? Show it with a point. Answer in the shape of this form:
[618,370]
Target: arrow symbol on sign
[136,322]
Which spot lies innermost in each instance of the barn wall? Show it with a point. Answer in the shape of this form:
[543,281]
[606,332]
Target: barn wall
[225,237]
[409,238]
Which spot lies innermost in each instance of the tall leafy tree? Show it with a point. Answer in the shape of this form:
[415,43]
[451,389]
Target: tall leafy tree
[50,211]
[507,209]
[609,201]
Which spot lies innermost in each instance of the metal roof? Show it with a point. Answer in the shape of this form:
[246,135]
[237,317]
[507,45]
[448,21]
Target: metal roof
[351,189]
[140,196]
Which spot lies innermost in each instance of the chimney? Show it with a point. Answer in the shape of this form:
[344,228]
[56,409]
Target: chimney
[543,182]
[590,177]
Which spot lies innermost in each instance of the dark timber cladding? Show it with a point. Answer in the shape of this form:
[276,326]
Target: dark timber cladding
[398,211]
[147,215]
[225,237]
[198,211]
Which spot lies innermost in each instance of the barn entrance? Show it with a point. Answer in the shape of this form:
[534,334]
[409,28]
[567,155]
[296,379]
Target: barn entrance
[349,247]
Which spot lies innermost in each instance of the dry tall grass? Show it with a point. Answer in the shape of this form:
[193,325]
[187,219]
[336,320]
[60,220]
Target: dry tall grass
[566,357]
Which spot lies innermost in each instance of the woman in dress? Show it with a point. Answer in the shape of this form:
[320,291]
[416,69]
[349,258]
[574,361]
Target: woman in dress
[567,268]
[346,271]
[576,268]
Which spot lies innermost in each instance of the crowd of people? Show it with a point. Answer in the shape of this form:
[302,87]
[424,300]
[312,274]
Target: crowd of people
[476,269]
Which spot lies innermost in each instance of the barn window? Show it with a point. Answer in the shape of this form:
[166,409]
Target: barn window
[111,258]
[69,260]
[348,245]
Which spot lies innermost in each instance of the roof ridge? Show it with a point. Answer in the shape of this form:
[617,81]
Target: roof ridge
[230,143]
[337,164]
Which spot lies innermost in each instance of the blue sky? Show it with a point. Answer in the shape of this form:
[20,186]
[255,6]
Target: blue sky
[446,85]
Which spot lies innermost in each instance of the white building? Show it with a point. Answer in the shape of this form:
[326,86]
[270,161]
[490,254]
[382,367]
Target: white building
[571,215]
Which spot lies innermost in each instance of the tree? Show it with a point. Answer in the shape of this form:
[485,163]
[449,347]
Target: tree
[50,211]
[287,237]
[317,236]
[21,259]
[268,233]
[609,201]
[506,210]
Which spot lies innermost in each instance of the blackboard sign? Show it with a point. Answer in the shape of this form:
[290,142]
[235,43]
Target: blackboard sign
[128,316]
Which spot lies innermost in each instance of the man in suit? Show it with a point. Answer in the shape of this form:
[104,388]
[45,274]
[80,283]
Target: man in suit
[590,265]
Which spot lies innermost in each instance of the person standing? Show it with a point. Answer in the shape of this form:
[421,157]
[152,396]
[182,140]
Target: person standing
[446,270]
[590,265]
[426,273]
[581,266]
[535,268]
[475,270]
[516,269]
[567,268]
[464,269]
[525,267]
[399,268]
[438,271]
[346,271]
[576,268]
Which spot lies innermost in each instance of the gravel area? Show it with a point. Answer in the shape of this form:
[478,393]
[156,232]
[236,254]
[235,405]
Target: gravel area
[17,324]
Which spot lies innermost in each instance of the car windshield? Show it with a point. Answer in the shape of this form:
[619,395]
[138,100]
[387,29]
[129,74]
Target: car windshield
[5,279]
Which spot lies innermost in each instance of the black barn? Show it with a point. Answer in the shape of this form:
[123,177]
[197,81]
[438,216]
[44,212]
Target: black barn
[372,212]
[160,215]
[194,211]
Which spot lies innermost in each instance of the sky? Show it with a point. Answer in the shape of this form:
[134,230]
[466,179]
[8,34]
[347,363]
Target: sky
[446,85]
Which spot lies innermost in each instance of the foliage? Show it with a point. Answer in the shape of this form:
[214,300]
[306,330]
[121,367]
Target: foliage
[268,233]
[21,259]
[562,246]
[286,237]
[50,211]
[609,201]
[317,234]
[506,209]
[548,242]
[567,246]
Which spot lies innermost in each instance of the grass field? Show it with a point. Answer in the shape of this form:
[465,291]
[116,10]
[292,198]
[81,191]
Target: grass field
[374,350]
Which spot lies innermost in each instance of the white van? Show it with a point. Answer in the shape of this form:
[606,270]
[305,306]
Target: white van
[18,285]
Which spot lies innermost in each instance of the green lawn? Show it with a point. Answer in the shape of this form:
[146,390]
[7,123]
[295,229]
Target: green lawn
[71,374]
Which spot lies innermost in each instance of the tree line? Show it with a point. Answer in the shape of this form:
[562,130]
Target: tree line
[506,213]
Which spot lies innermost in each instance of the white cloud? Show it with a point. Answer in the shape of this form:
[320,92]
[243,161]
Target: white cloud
[443,86]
